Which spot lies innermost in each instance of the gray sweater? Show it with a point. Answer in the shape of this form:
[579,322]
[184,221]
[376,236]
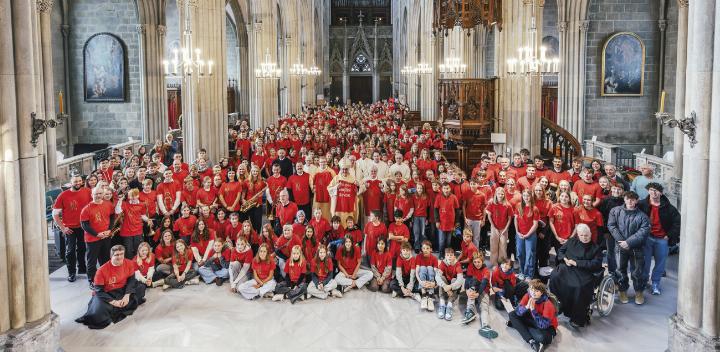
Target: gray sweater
[632,226]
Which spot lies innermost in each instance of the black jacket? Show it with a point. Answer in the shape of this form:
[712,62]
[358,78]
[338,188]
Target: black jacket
[669,217]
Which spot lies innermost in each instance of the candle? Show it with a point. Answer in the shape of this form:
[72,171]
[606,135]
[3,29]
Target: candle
[210,65]
[662,101]
[167,65]
[60,99]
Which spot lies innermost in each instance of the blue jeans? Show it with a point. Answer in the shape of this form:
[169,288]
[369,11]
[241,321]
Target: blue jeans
[656,248]
[525,253]
[209,275]
[426,273]
[418,226]
[443,241]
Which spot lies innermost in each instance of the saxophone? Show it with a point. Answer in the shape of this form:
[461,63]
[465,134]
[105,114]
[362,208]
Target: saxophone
[253,201]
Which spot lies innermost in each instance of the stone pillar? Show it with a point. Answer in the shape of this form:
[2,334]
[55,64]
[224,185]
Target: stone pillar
[346,69]
[519,111]
[376,64]
[151,31]
[264,38]
[680,73]
[44,8]
[245,79]
[65,30]
[205,98]
[696,325]
[26,322]
[572,27]
[293,92]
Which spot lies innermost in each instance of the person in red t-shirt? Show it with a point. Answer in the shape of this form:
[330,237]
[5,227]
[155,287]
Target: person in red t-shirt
[587,214]
[299,186]
[169,195]
[319,183]
[562,220]
[450,281]
[263,269]
[426,266]
[134,213]
[117,293]
[526,223]
[185,225]
[296,271]
[145,266]
[474,204]
[95,220]
[398,234]
[421,206]
[201,242]
[446,214]
[322,283]
[404,283]
[499,213]
[284,244]
[66,214]
[285,210]
[348,258]
[373,230]
[467,248]
[164,252]
[320,224]
[477,289]
[381,266]
[183,272]
[588,186]
[231,193]
[537,312]
[216,266]
[240,259]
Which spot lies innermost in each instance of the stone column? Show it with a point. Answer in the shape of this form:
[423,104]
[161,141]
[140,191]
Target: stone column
[26,322]
[245,79]
[572,27]
[346,69]
[696,325]
[65,30]
[44,8]
[265,38]
[205,98]
[519,111]
[376,68]
[680,73]
[151,31]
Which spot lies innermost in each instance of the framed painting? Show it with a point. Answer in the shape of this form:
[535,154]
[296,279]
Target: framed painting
[104,68]
[623,65]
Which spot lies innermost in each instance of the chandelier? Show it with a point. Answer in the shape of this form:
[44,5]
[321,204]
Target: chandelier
[420,69]
[467,14]
[531,60]
[187,64]
[300,70]
[452,65]
[268,69]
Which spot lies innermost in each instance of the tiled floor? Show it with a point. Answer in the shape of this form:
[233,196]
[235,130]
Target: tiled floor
[210,318]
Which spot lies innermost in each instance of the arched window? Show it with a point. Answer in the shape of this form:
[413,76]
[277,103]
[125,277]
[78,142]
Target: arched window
[361,64]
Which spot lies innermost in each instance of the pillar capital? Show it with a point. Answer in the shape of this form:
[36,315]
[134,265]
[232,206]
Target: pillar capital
[141,28]
[584,25]
[161,30]
[562,26]
[44,6]
[683,3]
[662,24]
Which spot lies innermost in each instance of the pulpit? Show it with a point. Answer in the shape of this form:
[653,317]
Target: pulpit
[467,111]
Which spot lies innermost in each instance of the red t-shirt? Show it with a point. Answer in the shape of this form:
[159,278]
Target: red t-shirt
[372,197]
[406,265]
[202,245]
[450,271]
[563,220]
[498,277]
[232,232]
[321,227]
[656,228]
[300,187]
[372,233]
[263,269]
[206,197]
[294,270]
[323,269]
[230,191]
[99,217]
[404,204]
[286,213]
[446,208]
[479,274]
[423,260]
[593,218]
[144,265]
[582,188]
[421,205]
[346,197]
[320,182]
[526,219]
[168,192]
[113,277]
[308,248]
[72,203]
[381,260]
[397,230]
[184,227]
[475,204]
[285,245]
[499,214]
[150,200]
[349,263]
[163,252]
[182,260]
[245,257]
[555,177]
[189,197]
[132,224]
[275,185]
[467,249]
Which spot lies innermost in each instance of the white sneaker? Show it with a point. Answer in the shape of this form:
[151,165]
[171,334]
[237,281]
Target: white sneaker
[430,305]
[423,303]
[194,281]
[278,297]
[394,294]
[336,294]
[417,297]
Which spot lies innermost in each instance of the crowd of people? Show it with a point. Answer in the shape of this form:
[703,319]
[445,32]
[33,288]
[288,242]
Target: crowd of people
[341,198]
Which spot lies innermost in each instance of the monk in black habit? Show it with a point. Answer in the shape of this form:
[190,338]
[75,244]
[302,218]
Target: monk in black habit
[573,281]
[117,293]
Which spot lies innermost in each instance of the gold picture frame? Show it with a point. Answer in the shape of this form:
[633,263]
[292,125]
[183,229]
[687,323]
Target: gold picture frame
[623,72]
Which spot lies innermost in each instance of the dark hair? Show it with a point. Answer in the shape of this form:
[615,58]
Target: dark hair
[398,214]
[631,195]
[345,252]
[319,261]
[654,185]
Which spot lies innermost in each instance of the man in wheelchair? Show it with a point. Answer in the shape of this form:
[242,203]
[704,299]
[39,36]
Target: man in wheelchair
[579,271]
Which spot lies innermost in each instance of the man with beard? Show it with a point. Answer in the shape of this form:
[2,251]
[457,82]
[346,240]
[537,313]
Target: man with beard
[66,214]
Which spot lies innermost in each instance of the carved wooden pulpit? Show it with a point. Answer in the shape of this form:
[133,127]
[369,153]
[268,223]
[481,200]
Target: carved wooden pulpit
[467,111]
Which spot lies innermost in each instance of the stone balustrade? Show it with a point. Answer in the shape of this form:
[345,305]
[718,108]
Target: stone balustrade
[86,163]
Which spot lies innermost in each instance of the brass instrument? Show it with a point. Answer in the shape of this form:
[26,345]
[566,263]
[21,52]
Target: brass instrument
[253,201]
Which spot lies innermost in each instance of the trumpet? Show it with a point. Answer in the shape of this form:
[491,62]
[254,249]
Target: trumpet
[253,201]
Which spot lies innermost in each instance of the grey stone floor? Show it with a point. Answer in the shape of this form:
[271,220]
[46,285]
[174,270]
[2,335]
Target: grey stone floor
[210,318]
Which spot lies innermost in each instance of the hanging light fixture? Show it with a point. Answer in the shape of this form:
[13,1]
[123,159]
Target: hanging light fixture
[532,60]
[268,69]
[452,65]
[421,69]
[187,61]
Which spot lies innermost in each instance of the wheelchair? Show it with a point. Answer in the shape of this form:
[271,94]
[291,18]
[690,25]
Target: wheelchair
[604,294]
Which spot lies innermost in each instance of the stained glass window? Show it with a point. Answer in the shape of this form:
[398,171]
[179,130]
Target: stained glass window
[361,64]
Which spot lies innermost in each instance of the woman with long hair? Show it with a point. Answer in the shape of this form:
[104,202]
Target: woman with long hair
[263,270]
[499,213]
[201,242]
[526,223]
[182,266]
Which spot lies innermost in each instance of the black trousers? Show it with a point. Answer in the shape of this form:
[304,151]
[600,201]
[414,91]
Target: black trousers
[75,251]
[525,325]
[395,286]
[131,244]
[634,260]
[59,243]
[98,253]
[255,215]
[100,313]
[543,247]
